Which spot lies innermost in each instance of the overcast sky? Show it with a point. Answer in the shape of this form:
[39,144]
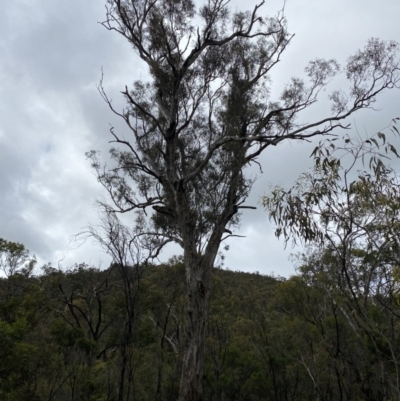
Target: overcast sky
[51,55]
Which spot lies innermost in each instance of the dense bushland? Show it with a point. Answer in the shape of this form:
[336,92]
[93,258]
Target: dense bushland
[90,334]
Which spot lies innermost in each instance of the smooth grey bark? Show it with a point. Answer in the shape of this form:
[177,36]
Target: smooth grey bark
[199,289]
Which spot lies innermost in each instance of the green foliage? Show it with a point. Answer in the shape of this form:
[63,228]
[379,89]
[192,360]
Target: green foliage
[350,220]
[267,338]
[14,256]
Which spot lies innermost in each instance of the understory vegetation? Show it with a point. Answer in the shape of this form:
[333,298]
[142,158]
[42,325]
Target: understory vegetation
[117,334]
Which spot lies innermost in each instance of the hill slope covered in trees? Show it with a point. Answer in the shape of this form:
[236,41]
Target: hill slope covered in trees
[117,334]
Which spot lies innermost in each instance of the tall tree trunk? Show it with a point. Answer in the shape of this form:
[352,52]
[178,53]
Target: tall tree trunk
[198,277]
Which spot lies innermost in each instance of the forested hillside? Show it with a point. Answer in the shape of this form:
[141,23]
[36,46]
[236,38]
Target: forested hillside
[117,334]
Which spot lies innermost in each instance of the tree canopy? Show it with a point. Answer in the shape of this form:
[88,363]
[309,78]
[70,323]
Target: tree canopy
[63,334]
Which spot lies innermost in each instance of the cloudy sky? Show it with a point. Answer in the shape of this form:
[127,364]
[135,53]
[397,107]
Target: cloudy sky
[51,55]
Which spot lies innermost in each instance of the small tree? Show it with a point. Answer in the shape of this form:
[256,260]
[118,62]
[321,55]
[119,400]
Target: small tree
[203,116]
[350,220]
[14,257]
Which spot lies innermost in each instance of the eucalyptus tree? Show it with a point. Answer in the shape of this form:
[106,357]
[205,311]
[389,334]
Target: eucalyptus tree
[348,206]
[204,114]
[348,210]
[14,257]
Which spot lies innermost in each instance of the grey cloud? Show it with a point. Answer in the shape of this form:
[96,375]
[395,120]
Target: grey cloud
[51,113]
